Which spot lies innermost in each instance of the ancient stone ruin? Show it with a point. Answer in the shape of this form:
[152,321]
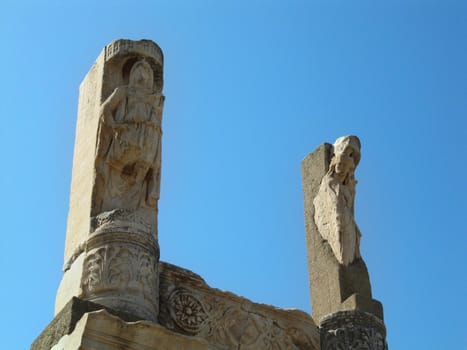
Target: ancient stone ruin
[343,307]
[115,292]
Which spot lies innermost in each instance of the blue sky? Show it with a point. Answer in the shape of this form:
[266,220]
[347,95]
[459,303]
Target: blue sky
[251,88]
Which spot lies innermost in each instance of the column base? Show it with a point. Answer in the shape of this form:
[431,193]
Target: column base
[351,330]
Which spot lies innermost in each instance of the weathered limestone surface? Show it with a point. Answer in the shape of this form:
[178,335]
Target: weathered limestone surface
[348,330]
[99,330]
[109,74]
[334,203]
[338,275]
[111,250]
[65,322]
[189,309]
[189,306]
[116,294]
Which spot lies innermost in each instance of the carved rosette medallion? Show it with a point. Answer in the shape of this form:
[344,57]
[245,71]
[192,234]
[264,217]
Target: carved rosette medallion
[352,330]
[187,311]
[226,323]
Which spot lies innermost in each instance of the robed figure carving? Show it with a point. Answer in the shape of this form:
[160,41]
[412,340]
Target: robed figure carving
[334,203]
[339,277]
[129,151]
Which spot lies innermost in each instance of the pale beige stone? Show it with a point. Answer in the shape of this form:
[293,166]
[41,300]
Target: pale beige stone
[334,203]
[101,331]
[82,179]
[338,275]
[129,146]
[112,220]
[227,321]
[74,340]
[112,253]
[116,109]
[121,270]
[70,285]
[188,307]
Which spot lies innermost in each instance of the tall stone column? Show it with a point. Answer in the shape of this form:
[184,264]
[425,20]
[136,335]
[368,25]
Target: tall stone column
[111,250]
[340,287]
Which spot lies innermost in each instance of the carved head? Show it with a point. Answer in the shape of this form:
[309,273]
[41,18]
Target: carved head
[142,75]
[345,158]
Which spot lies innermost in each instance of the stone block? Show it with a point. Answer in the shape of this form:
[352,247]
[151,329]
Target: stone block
[227,321]
[64,323]
[335,284]
[189,308]
[99,330]
[70,285]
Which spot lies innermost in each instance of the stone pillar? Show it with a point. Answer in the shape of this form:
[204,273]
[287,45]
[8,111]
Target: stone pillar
[352,330]
[339,283]
[111,250]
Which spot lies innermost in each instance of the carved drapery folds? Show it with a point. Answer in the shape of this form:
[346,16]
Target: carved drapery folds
[339,277]
[128,159]
[334,203]
[122,254]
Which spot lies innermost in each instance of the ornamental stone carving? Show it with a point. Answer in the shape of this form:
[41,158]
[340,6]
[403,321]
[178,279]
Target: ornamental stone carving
[227,321]
[120,273]
[339,278]
[334,203]
[112,253]
[353,338]
[352,330]
[120,266]
[187,311]
[129,151]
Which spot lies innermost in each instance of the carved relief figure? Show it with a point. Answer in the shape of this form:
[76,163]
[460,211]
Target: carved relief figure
[129,151]
[334,203]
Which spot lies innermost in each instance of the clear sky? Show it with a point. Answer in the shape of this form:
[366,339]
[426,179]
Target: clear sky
[251,88]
